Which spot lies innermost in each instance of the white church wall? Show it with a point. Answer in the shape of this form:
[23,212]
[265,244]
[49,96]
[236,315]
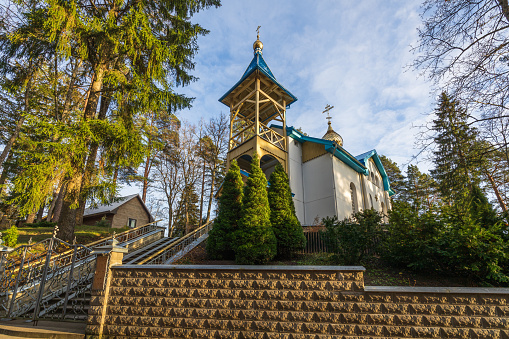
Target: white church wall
[295,176]
[318,188]
[376,192]
[343,176]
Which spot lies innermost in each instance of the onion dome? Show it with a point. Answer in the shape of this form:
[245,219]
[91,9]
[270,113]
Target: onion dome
[333,136]
[258,45]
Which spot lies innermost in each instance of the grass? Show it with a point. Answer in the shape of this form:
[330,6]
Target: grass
[84,234]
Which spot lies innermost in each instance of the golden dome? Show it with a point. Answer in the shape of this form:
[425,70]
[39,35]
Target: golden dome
[333,136]
[258,44]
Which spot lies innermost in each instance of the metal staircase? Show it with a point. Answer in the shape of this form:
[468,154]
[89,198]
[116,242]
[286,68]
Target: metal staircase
[52,278]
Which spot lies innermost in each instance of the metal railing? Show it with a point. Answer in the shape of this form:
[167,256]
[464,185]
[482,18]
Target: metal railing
[34,275]
[167,254]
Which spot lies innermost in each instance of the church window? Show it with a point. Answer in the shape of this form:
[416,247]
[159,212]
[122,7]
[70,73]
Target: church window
[377,182]
[371,200]
[353,193]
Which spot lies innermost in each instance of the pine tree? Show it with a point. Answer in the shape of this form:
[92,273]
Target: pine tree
[220,241]
[255,242]
[187,213]
[286,226]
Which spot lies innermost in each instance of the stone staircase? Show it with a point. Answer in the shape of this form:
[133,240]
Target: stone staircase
[287,302]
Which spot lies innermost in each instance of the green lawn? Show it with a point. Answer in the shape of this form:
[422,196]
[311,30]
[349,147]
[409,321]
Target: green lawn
[84,234]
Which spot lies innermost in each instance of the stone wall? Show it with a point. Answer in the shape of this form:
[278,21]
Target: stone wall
[286,302]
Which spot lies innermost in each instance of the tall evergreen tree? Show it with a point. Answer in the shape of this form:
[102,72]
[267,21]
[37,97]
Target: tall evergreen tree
[286,226]
[221,238]
[455,157]
[187,212]
[255,242]
[419,190]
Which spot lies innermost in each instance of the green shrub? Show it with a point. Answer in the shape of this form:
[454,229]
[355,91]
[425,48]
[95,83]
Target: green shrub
[287,228]
[103,222]
[42,223]
[10,236]
[255,242]
[350,238]
[413,238]
[220,240]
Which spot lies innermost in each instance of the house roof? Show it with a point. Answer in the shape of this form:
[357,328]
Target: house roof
[258,64]
[113,207]
[357,163]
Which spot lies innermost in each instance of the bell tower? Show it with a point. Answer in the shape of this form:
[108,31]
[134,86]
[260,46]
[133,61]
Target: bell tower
[256,101]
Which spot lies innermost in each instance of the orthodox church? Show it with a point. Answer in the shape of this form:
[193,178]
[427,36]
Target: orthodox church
[325,179]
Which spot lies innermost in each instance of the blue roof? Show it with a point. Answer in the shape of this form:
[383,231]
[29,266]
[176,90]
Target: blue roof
[378,163]
[259,64]
[357,163]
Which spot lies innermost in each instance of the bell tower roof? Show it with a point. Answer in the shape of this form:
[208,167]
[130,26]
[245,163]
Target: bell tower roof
[257,66]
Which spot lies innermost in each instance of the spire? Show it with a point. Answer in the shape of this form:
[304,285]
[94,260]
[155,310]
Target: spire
[258,45]
[331,134]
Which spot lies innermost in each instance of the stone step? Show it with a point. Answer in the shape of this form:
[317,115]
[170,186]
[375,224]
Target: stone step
[181,327]
[341,285]
[318,317]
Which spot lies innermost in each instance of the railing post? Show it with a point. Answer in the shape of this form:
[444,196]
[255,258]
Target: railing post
[4,251]
[107,256]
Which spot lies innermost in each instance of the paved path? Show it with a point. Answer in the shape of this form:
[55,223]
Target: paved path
[44,329]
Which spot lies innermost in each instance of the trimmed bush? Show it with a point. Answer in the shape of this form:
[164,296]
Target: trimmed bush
[220,240]
[286,226]
[10,236]
[255,242]
[42,223]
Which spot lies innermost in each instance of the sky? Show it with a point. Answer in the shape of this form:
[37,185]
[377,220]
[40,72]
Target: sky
[353,55]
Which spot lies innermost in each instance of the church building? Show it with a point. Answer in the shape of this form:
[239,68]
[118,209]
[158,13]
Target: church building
[325,179]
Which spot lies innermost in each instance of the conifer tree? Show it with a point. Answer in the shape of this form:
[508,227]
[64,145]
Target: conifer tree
[286,226]
[455,157]
[396,178]
[220,240]
[255,242]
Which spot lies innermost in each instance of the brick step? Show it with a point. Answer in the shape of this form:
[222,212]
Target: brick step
[274,273]
[184,327]
[325,285]
[318,317]
[265,303]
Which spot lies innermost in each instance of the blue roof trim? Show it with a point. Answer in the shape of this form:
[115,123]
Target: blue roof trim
[259,64]
[338,151]
[378,163]
[357,163]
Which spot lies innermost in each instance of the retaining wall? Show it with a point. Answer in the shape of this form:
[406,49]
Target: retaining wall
[287,302]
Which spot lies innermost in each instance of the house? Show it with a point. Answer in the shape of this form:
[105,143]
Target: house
[126,211]
[325,179]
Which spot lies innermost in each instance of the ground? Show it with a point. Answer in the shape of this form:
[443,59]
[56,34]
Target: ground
[84,234]
[377,272]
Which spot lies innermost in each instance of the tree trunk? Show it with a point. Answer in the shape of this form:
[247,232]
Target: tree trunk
[497,192]
[145,179]
[68,216]
[211,196]
[5,171]
[55,216]
[202,193]
[40,213]
[30,218]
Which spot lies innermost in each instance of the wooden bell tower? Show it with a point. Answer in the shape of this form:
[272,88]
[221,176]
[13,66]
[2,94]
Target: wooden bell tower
[256,101]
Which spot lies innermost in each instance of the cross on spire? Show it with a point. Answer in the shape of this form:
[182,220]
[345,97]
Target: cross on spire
[258,32]
[326,110]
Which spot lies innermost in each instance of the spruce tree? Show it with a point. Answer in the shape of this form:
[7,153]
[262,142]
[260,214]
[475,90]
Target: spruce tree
[220,240]
[255,242]
[286,226]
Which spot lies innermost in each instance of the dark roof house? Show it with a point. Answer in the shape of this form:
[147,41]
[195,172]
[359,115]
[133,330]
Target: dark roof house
[126,211]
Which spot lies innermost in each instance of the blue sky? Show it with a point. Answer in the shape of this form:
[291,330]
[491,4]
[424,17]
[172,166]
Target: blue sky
[352,55]
[349,54]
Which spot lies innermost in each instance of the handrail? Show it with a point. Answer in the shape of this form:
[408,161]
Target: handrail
[206,228]
[119,236]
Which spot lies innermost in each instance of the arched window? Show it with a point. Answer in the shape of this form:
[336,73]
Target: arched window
[371,200]
[372,178]
[353,193]
[377,181]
